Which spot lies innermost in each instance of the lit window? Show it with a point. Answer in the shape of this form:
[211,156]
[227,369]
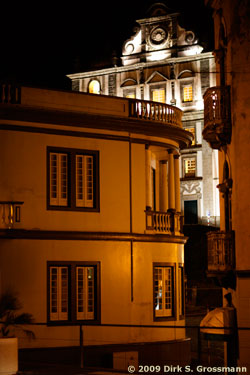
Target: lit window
[163,291]
[73,179]
[188,93]
[191,130]
[158,95]
[189,167]
[73,292]
[94,87]
[130,95]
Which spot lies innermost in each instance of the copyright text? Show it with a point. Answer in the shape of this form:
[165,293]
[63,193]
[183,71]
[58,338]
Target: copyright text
[183,369]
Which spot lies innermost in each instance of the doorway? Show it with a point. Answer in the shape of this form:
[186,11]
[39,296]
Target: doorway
[190,212]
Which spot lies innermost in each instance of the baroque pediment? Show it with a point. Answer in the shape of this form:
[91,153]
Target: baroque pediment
[156,36]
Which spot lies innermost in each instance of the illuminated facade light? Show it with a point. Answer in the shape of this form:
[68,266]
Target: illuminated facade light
[94,87]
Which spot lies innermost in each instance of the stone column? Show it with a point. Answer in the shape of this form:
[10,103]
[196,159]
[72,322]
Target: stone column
[163,186]
[171,181]
[177,183]
[148,179]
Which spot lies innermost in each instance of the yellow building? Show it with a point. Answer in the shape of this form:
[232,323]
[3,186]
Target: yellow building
[226,129]
[90,220]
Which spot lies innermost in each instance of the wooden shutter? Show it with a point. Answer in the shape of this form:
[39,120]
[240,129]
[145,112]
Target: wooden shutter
[84,181]
[58,179]
[85,284]
[59,293]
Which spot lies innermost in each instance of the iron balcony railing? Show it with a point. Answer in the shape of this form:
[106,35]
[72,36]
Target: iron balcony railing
[217,116]
[221,257]
[149,110]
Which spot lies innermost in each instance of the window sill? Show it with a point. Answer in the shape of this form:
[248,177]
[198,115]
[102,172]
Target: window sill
[164,318]
[56,323]
[75,209]
[191,178]
[198,145]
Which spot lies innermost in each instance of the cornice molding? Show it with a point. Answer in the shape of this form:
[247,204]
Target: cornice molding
[93,121]
[142,65]
[23,234]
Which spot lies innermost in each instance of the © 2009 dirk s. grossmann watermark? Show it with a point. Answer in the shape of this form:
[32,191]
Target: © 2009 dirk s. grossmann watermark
[154,369]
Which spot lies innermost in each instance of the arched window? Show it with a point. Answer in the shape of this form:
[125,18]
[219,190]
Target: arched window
[94,87]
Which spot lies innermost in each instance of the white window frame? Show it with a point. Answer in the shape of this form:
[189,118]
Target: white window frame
[163,284]
[73,179]
[73,294]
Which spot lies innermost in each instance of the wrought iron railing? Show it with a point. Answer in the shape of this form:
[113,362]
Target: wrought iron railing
[161,112]
[217,116]
[221,257]
[217,106]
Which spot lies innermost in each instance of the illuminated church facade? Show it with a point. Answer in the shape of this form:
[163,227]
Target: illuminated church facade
[162,62]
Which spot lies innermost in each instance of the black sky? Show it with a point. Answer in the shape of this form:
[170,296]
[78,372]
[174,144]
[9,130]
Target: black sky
[42,43]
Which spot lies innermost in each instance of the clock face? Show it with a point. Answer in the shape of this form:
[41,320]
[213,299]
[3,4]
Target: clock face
[158,35]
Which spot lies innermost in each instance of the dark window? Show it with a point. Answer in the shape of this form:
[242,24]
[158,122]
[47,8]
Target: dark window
[72,179]
[153,182]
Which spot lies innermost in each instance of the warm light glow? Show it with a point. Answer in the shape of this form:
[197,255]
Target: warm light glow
[94,87]
[188,93]
[131,95]
[194,50]
[189,167]
[191,130]
[159,95]
[158,55]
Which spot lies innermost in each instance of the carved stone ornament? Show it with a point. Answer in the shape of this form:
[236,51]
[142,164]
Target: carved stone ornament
[158,35]
[190,187]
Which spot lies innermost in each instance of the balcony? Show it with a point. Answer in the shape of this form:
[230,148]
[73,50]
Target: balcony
[221,258]
[159,222]
[153,111]
[90,111]
[217,116]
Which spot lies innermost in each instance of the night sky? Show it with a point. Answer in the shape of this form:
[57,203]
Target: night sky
[40,44]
